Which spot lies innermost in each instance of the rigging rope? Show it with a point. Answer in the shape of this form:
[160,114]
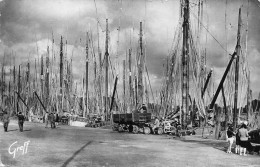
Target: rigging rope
[97,16]
[149,83]
[210,33]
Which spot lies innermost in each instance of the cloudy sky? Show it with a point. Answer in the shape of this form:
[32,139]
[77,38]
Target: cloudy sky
[28,24]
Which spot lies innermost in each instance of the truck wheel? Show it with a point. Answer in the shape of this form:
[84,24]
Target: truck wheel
[114,128]
[147,130]
[130,128]
[120,128]
[135,129]
[160,131]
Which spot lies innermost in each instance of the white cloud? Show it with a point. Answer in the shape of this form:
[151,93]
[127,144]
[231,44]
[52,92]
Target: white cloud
[72,19]
[61,9]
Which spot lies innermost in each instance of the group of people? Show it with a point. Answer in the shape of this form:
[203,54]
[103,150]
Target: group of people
[52,119]
[6,120]
[240,136]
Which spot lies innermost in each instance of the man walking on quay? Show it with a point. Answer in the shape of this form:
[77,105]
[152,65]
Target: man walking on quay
[47,119]
[52,120]
[56,119]
[21,119]
[6,119]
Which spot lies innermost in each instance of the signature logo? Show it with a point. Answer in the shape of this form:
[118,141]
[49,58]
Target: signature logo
[13,149]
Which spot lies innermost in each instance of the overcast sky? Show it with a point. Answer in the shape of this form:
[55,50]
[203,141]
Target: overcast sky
[27,22]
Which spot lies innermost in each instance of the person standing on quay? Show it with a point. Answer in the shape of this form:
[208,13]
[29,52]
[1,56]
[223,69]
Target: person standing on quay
[46,118]
[237,149]
[6,119]
[57,119]
[243,134]
[21,119]
[230,138]
[52,120]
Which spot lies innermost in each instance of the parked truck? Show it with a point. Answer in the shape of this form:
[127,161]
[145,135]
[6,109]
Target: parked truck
[132,122]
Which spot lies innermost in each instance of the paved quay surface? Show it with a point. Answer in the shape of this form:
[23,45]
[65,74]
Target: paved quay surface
[68,146]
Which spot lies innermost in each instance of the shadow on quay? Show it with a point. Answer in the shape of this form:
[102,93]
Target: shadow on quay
[76,153]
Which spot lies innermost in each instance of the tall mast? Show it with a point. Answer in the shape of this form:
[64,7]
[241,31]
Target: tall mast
[65,78]
[52,59]
[28,77]
[185,63]
[95,88]
[136,92]
[19,87]
[14,88]
[225,106]
[61,65]
[113,96]
[146,92]
[98,38]
[100,73]
[3,83]
[130,80]
[42,89]
[9,90]
[61,72]
[249,96]
[14,70]
[82,93]
[199,17]
[140,67]
[220,86]
[47,92]
[71,75]
[35,80]
[206,83]
[86,92]
[68,86]
[238,50]
[27,85]
[165,108]
[106,74]
[3,77]
[99,83]
[124,85]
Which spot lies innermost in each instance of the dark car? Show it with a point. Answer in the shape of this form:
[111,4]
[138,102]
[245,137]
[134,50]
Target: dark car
[255,139]
[254,136]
